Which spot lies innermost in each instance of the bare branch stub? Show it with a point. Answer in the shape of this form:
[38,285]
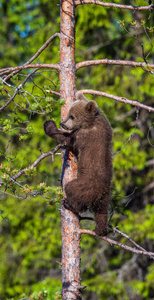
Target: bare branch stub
[53,92]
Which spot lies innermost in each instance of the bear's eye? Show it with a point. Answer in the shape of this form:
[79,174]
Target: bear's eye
[72,117]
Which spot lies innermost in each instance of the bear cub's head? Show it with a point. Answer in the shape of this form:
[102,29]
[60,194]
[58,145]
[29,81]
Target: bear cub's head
[81,113]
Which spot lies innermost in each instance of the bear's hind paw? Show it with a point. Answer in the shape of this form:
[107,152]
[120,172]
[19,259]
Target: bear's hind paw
[101,232]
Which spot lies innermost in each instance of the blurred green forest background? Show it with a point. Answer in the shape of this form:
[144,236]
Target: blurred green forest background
[30,233]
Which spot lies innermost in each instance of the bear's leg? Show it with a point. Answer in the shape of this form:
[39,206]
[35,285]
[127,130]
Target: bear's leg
[75,208]
[78,195]
[101,223]
[100,209]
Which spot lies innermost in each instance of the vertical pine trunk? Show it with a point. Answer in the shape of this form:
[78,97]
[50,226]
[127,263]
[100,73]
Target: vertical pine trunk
[70,222]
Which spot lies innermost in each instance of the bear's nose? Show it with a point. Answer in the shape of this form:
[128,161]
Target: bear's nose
[63,126]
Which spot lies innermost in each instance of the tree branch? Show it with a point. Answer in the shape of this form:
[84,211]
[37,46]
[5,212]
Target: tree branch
[41,157]
[112,242]
[42,48]
[36,54]
[23,67]
[120,232]
[107,61]
[149,187]
[119,99]
[128,238]
[131,7]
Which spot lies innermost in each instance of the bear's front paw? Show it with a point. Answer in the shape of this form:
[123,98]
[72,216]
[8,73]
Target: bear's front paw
[50,128]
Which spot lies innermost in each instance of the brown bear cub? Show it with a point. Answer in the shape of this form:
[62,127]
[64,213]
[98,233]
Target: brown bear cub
[88,136]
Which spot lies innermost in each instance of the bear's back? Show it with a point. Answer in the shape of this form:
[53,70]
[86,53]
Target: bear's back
[94,150]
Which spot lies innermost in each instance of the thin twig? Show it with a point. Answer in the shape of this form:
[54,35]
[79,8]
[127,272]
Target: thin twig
[119,99]
[53,92]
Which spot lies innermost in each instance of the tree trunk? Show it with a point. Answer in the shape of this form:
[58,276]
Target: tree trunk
[70,222]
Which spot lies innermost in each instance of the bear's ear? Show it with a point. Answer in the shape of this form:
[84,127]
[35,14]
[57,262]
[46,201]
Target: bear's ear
[91,107]
[80,96]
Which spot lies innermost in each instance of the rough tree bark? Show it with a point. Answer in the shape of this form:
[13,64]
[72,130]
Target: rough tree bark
[70,222]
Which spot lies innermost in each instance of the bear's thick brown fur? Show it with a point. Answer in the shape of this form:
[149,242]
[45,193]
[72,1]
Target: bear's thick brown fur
[88,136]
